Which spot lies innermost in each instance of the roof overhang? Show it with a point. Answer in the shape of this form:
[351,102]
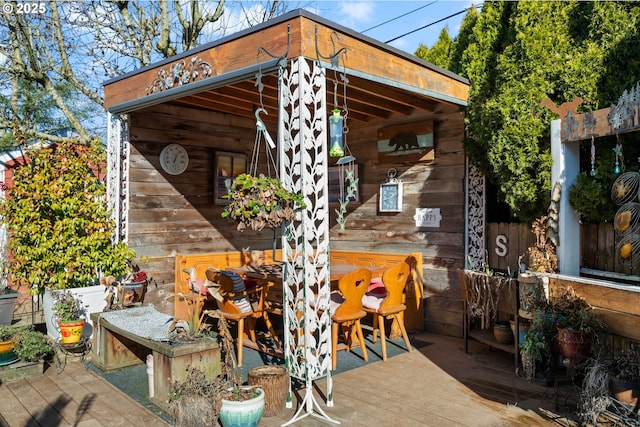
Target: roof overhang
[382,79]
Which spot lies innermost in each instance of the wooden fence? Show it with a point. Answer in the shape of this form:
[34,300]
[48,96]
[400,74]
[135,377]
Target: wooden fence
[508,241]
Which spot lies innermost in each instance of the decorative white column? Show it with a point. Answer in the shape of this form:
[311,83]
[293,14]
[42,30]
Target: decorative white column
[475,218]
[565,169]
[118,173]
[302,141]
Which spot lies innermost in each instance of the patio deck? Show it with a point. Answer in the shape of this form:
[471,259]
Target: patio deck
[435,385]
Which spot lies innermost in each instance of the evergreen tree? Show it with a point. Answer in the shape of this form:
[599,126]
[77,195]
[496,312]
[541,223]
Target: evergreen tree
[523,52]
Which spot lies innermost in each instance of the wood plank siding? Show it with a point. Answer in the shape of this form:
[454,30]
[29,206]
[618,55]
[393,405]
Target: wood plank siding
[176,214]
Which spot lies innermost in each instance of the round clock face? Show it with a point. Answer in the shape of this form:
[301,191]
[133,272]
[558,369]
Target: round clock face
[174,159]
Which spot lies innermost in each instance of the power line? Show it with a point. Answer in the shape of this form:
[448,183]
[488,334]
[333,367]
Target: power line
[398,17]
[428,25]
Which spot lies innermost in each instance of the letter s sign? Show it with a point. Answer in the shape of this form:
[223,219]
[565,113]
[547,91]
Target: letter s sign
[501,245]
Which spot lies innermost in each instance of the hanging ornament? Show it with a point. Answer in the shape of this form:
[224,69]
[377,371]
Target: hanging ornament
[619,159]
[593,157]
[336,146]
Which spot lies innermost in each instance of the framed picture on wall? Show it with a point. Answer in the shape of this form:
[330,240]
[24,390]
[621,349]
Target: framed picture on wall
[338,174]
[228,166]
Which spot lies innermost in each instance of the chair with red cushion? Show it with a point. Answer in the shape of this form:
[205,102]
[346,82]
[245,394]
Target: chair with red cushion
[390,305]
[348,312]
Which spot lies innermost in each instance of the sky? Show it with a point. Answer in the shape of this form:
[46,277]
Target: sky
[386,20]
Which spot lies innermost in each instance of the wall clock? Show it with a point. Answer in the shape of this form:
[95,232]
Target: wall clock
[390,195]
[174,159]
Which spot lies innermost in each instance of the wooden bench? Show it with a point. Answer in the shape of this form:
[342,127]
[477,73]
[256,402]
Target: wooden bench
[116,348]
[414,318]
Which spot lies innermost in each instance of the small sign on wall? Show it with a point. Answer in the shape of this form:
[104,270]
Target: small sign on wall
[427,217]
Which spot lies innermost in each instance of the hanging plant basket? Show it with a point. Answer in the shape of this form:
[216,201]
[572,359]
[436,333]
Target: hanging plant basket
[259,202]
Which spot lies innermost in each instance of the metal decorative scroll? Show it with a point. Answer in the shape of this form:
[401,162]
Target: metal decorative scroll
[475,218]
[118,173]
[621,117]
[305,241]
[180,73]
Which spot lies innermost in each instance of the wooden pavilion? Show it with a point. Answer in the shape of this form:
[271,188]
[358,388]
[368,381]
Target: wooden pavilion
[401,112]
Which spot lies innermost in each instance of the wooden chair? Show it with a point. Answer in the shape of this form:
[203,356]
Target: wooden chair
[347,315]
[392,305]
[241,306]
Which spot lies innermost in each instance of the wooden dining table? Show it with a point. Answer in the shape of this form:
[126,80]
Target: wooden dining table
[271,276]
[273,272]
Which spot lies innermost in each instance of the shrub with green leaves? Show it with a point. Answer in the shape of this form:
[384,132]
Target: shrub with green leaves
[59,226]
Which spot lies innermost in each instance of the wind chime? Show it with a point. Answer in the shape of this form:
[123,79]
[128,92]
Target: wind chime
[619,167]
[593,156]
[338,146]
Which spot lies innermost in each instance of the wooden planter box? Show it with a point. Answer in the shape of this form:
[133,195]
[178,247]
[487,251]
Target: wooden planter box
[19,370]
[116,348]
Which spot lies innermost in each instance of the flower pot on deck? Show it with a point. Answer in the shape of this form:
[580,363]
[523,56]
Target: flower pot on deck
[502,333]
[533,293]
[92,298]
[574,345]
[625,391]
[7,307]
[7,355]
[242,413]
[71,332]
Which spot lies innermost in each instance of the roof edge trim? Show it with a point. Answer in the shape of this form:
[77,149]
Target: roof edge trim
[195,87]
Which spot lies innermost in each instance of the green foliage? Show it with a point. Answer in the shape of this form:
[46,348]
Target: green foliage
[533,344]
[28,344]
[626,365]
[9,332]
[440,52]
[520,53]
[32,346]
[57,217]
[258,202]
[589,196]
[66,307]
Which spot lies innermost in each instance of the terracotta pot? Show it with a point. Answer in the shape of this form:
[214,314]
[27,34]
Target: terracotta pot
[71,332]
[575,346]
[625,391]
[502,333]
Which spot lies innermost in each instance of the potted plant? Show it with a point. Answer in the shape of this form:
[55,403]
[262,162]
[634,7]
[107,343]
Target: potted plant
[624,377]
[535,347]
[539,259]
[578,327]
[70,316]
[126,291]
[60,229]
[198,398]
[8,298]
[32,346]
[610,376]
[257,202]
[22,343]
[7,345]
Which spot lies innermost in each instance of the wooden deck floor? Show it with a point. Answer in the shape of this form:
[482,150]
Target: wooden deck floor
[435,385]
